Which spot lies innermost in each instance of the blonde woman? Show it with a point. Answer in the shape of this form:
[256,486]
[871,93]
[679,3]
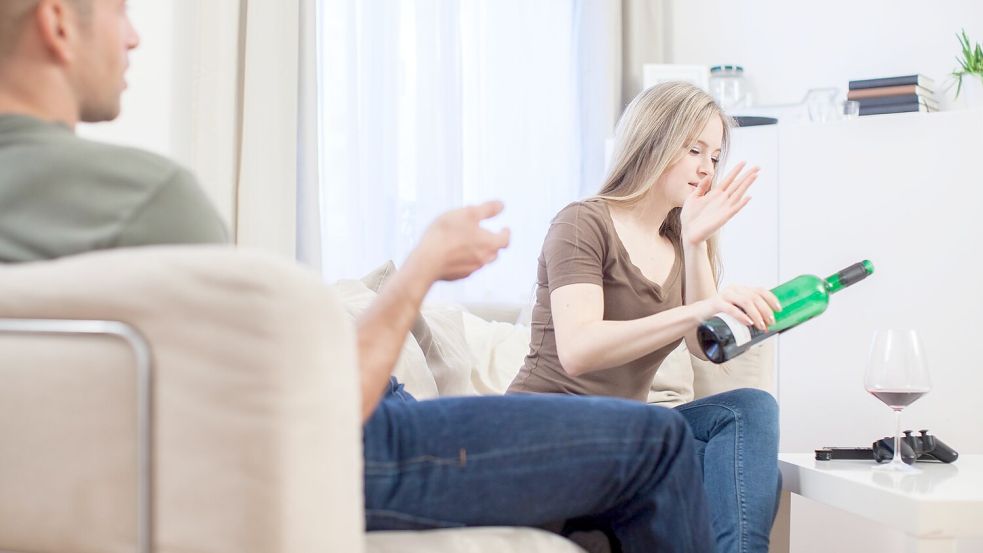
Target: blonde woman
[628,274]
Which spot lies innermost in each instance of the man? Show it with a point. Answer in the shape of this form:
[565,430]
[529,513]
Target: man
[625,468]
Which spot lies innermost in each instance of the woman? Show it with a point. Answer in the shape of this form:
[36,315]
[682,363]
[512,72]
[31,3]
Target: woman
[627,275]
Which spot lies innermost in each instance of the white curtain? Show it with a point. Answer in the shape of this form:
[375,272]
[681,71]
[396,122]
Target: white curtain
[428,105]
[250,80]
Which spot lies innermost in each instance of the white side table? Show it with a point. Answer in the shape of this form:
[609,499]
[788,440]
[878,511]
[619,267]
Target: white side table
[934,509]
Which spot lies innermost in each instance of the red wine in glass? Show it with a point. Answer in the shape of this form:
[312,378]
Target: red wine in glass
[898,399]
[897,374]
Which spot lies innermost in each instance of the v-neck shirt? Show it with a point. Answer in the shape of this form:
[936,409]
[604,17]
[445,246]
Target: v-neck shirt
[583,246]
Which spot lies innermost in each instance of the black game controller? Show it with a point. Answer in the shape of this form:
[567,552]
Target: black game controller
[923,447]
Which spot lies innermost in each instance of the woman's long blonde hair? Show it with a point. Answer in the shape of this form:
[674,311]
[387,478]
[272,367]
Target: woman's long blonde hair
[654,132]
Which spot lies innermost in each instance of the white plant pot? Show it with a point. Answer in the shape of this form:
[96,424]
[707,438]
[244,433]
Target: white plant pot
[971,94]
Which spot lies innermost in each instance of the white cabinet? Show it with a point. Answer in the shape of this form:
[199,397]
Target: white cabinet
[749,242]
[906,192]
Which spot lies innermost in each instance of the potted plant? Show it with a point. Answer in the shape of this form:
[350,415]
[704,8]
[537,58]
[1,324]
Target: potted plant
[971,67]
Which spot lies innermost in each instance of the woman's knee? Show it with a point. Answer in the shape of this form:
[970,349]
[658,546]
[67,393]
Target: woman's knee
[662,421]
[758,408]
[753,400]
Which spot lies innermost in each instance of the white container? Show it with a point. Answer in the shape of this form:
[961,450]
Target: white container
[729,87]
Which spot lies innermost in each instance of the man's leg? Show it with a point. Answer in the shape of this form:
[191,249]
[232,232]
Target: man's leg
[739,431]
[527,460]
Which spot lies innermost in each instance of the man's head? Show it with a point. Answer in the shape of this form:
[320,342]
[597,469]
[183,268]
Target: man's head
[79,47]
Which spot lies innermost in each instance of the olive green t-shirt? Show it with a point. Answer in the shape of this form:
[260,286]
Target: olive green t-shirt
[582,246]
[62,195]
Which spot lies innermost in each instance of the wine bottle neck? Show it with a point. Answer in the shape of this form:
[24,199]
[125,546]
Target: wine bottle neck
[851,275]
[833,284]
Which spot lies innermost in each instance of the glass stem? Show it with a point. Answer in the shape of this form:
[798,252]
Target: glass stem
[897,438]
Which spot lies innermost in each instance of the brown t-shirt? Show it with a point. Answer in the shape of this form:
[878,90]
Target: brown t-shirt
[582,246]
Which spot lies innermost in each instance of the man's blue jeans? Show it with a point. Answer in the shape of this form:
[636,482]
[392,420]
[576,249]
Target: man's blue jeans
[624,467]
[737,444]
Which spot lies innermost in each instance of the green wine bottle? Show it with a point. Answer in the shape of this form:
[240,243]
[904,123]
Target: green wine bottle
[723,337]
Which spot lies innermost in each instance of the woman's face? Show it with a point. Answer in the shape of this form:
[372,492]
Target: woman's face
[698,160]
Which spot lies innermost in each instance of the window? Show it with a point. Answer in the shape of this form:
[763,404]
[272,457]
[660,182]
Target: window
[428,105]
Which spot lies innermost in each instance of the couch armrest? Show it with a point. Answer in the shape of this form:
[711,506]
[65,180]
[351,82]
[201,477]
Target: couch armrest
[256,414]
[16,469]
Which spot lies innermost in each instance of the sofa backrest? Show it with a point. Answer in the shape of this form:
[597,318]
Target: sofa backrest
[257,439]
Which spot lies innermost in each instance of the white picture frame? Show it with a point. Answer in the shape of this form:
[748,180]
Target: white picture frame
[655,73]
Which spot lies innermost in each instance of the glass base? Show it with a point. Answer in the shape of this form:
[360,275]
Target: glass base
[898,468]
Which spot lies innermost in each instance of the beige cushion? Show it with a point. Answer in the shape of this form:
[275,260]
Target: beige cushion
[435,359]
[411,368]
[378,276]
[498,349]
[673,382]
[684,377]
[256,413]
[755,368]
[440,334]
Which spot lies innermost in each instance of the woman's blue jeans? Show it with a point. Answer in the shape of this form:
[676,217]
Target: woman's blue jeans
[620,466]
[737,444]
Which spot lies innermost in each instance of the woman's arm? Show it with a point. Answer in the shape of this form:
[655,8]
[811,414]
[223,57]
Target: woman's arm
[700,285]
[705,211]
[585,342]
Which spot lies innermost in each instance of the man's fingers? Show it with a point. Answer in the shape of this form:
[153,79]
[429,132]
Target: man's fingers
[500,239]
[488,209]
[505,236]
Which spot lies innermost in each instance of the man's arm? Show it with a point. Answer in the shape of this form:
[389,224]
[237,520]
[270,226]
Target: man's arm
[453,247]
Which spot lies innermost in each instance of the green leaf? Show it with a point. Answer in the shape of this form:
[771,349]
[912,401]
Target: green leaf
[971,61]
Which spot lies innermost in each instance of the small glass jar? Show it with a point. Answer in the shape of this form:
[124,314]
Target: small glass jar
[729,87]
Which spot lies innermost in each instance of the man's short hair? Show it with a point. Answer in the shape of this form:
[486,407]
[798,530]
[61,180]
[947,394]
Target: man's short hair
[13,14]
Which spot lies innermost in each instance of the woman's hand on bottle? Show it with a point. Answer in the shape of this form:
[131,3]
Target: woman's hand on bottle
[752,306]
[707,208]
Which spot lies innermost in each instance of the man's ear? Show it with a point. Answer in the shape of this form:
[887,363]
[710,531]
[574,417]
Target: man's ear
[57,25]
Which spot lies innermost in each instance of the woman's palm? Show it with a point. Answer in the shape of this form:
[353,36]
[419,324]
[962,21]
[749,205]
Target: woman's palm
[707,209]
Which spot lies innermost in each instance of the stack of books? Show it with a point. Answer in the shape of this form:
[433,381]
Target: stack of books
[894,94]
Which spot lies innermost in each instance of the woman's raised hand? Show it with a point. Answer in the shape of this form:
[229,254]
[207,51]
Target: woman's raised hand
[707,209]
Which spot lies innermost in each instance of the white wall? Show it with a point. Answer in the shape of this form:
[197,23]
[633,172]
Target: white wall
[787,47]
[899,190]
[902,191]
[150,118]
[187,48]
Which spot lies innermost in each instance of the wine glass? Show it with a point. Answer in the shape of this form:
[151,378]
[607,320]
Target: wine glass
[897,375]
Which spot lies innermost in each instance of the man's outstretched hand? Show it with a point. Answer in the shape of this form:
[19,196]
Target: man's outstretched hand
[455,245]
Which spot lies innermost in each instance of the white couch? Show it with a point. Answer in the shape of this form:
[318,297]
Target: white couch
[254,422]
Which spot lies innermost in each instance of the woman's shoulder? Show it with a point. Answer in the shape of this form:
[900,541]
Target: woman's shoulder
[586,223]
[592,211]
